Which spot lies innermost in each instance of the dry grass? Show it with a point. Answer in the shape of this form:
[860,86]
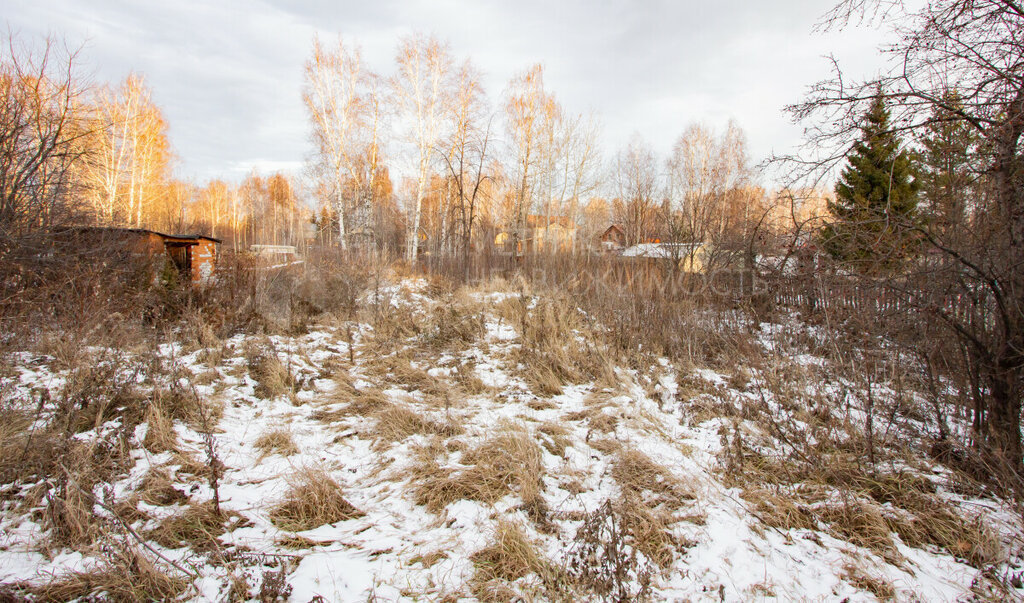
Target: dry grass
[879,587]
[69,515]
[779,510]
[178,403]
[554,438]
[314,499]
[557,346]
[596,417]
[467,380]
[397,422]
[198,527]
[272,378]
[158,488]
[358,402]
[398,369]
[860,524]
[508,557]
[506,463]
[877,506]
[453,326]
[640,477]
[14,434]
[297,542]
[604,560]
[160,433]
[126,575]
[275,441]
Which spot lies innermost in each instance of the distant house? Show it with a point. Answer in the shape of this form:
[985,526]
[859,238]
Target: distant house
[541,233]
[691,257]
[193,256]
[613,239]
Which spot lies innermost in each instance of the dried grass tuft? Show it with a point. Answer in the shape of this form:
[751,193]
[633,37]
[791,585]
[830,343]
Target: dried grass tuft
[158,488]
[554,438]
[198,527]
[160,433]
[397,422]
[314,499]
[125,575]
[508,557]
[860,524]
[275,441]
[272,378]
[637,475]
[508,462]
[879,587]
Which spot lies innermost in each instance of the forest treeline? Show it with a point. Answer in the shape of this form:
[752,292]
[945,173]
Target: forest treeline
[423,149]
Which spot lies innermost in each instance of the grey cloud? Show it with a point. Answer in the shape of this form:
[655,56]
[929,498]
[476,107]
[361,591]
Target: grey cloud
[228,75]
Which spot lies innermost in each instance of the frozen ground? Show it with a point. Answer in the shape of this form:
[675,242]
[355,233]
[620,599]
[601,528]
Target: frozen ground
[410,541]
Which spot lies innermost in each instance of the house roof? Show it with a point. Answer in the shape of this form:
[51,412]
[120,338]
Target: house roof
[183,238]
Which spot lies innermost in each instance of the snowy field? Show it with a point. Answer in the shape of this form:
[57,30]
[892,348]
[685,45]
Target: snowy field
[467,445]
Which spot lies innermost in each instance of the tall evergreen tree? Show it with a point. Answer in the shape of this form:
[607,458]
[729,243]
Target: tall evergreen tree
[875,209]
[949,176]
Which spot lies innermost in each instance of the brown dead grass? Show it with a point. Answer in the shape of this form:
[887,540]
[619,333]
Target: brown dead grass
[505,463]
[398,369]
[557,346]
[14,433]
[879,587]
[314,499]
[272,378]
[641,477]
[468,382]
[198,527]
[779,510]
[453,326]
[358,402]
[860,524]
[275,441]
[126,575]
[596,417]
[508,557]
[397,422]
[877,506]
[554,437]
[69,515]
[158,488]
[160,433]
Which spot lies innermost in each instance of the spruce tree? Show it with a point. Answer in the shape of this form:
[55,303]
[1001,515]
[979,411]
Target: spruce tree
[949,174]
[875,208]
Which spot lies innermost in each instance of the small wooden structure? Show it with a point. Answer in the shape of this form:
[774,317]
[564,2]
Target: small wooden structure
[613,239]
[194,256]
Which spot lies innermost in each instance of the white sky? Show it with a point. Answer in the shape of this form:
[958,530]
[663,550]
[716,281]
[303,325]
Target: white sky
[228,73]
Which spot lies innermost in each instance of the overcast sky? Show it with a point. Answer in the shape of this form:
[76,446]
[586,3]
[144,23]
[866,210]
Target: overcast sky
[228,73]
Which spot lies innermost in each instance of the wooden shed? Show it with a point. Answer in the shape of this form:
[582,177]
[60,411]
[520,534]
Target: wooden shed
[194,256]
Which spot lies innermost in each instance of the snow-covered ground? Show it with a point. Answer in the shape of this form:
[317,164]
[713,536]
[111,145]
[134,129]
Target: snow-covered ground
[469,393]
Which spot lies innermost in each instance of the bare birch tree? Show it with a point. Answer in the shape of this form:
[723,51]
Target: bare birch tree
[524,112]
[421,88]
[334,98]
[466,155]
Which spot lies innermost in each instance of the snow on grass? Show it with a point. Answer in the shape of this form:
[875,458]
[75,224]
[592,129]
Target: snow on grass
[397,549]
